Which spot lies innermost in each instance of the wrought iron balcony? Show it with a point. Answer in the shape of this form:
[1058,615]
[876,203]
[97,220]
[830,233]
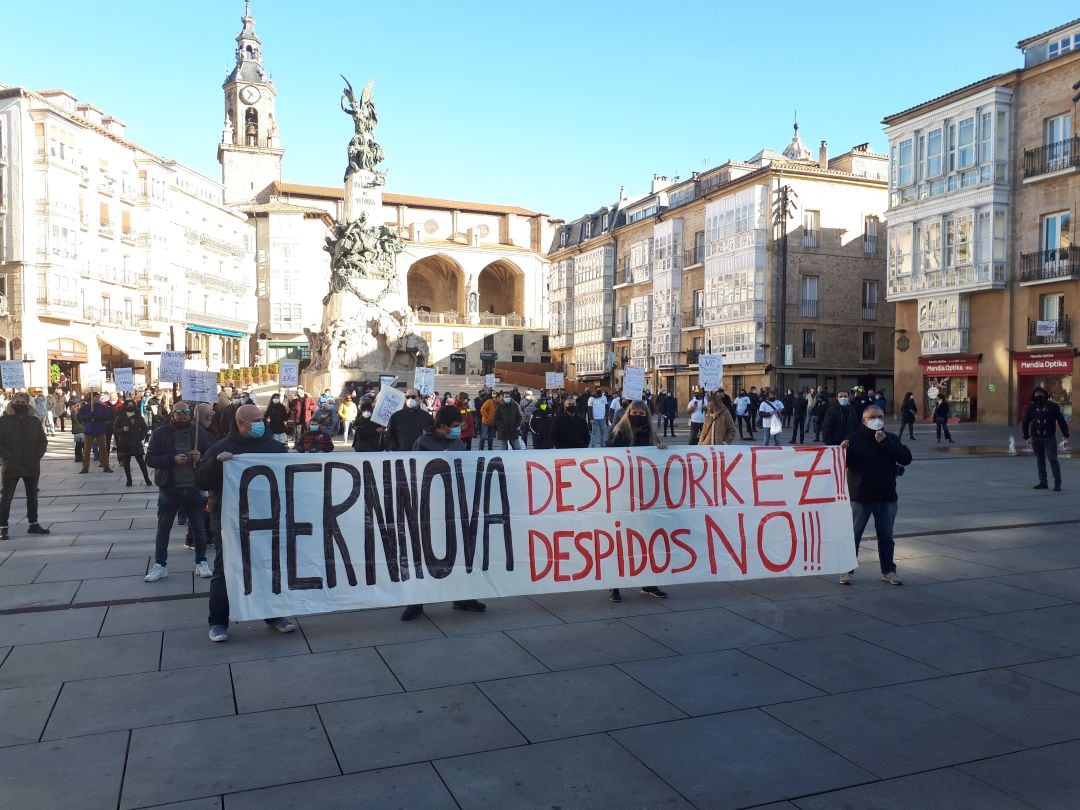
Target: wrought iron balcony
[1050,265]
[1052,157]
[808,308]
[869,312]
[1050,333]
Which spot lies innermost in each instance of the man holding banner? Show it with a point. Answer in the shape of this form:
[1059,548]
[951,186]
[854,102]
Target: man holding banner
[247,436]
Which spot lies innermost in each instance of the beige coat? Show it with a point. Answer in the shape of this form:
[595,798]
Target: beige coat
[718,428]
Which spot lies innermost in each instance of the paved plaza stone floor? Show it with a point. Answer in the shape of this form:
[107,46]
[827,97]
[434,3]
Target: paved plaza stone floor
[959,690]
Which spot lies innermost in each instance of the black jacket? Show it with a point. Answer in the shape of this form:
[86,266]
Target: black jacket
[405,427]
[366,436]
[570,432]
[909,410]
[799,406]
[1042,420]
[209,475]
[130,442]
[162,449]
[871,466]
[941,412]
[839,423]
[22,444]
[276,417]
[541,426]
[641,438]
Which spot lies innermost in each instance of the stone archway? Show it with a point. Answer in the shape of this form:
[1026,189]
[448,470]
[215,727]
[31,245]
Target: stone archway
[436,284]
[501,285]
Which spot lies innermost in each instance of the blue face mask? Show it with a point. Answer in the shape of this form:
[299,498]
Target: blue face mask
[455,433]
[258,429]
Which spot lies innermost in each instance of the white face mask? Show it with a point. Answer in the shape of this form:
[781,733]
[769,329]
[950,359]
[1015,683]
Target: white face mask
[412,403]
[366,414]
[842,400]
[875,424]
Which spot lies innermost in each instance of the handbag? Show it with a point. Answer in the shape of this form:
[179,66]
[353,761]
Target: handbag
[776,426]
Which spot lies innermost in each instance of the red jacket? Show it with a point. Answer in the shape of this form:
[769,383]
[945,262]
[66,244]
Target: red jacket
[468,422]
[301,409]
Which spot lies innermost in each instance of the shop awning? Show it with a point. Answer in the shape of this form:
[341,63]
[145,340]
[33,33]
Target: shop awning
[213,330]
[135,346]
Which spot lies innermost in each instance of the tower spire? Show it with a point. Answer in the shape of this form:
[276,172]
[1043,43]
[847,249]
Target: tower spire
[249,61]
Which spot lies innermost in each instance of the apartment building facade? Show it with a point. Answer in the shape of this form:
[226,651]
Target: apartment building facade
[981,268]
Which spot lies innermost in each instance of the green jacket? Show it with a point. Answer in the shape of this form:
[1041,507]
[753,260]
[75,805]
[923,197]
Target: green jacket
[507,420]
[22,444]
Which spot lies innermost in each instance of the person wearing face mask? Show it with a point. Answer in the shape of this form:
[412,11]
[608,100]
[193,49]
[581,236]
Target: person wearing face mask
[407,425]
[598,410]
[570,429]
[635,429]
[818,409]
[175,449]
[528,410]
[541,426]
[346,415]
[367,436]
[22,444]
[873,457]
[1041,420]
[941,419]
[487,407]
[248,434]
[442,437]
[840,420]
[771,407]
[130,431]
[301,410]
[315,440]
[327,419]
[468,419]
[743,416]
[277,417]
[909,410]
[508,424]
[96,418]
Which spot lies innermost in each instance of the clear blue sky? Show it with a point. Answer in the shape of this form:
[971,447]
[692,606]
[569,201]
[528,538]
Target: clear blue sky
[551,106]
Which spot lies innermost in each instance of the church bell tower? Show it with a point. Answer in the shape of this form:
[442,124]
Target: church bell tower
[250,149]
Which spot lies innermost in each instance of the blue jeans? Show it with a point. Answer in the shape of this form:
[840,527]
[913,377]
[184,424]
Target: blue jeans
[599,432]
[171,501]
[487,436]
[771,438]
[884,513]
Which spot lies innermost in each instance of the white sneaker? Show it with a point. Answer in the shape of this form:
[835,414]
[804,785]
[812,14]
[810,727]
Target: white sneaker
[203,570]
[219,633]
[157,572]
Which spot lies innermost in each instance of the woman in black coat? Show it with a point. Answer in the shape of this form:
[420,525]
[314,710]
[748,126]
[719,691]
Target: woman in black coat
[367,436]
[129,432]
[570,430]
[941,418]
[909,409]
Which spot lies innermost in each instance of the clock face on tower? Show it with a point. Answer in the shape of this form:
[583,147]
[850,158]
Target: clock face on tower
[250,94]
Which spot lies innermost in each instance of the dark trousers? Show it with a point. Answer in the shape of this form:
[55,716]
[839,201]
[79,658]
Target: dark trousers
[748,420]
[695,431]
[817,428]
[943,426]
[910,426]
[170,501]
[140,459]
[798,429]
[884,513]
[669,424]
[219,594]
[30,485]
[1044,449]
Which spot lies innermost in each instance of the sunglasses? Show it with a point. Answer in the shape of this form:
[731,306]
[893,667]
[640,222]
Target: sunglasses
[182,412]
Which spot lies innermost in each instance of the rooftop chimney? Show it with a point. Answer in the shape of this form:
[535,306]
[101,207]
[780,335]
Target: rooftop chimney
[659,183]
[823,155]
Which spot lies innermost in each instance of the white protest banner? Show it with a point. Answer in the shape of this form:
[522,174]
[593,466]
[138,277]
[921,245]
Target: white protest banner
[198,386]
[387,379]
[172,367]
[710,371]
[633,382]
[382,529]
[288,373]
[387,403]
[489,381]
[124,379]
[554,380]
[12,374]
[424,380]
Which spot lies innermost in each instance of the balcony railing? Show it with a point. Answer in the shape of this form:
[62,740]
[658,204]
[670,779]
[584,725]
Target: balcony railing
[869,312]
[1049,265]
[810,239]
[108,317]
[1047,333]
[869,245]
[220,321]
[1052,157]
[985,275]
[694,255]
[512,320]
[809,308]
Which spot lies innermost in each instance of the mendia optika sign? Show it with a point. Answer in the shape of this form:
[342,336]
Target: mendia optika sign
[345,531]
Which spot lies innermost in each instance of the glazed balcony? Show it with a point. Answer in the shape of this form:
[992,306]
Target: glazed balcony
[1050,265]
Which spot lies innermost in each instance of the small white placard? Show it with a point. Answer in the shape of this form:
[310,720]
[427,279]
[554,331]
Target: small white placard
[289,373]
[554,380]
[198,386]
[424,380]
[710,371]
[489,381]
[633,382]
[124,378]
[172,367]
[13,374]
[387,403]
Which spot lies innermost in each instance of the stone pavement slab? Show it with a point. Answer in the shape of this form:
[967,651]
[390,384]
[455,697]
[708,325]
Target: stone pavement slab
[50,625]
[1061,584]
[1023,709]
[738,759]
[577,702]
[21,597]
[990,595]
[1046,778]
[583,606]
[190,647]
[579,772]
[1061,672]
[585,644]
[142,699]
[57,661]
[890,733]
[947,789]
[363,628]
[145,617]
[230,754]
[20,572]
[399,729]
[303,680]
[714,682]
[94,591]
[24,711]
[507,613]
[950,647]
[408,786]
[703,630]
[841,663]
[809,618]
[77,774]
[446,661]
[97,569]
[1054,630]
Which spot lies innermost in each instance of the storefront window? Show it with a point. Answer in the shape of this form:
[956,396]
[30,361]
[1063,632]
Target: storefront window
[1059,387]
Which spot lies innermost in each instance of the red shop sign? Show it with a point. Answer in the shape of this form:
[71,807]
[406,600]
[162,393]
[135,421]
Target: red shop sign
[1032,363]
[964,365]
